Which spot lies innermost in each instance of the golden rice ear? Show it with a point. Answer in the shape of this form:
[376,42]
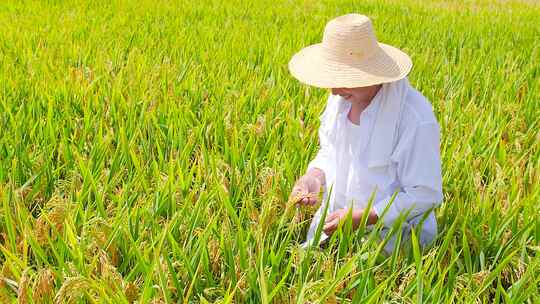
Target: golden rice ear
[24,283]
[307,195]
[109,274]
[43,287]
[131,290]
[293,200]
[214,255]
[41,230]
[53,215]
[309,208]
[73,288]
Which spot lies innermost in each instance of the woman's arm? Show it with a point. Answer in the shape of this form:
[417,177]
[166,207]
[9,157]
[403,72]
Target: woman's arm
[419,173]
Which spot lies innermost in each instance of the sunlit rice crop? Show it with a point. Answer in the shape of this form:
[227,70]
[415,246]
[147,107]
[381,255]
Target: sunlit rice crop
[148,150]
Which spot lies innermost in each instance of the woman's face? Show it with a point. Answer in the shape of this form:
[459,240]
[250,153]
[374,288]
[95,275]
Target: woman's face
[357,95]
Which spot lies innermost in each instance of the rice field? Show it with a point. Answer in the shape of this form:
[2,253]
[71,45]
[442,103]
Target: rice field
[148,148]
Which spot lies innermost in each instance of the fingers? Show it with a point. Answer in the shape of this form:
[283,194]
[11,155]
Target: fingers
[312,199]
[331,222]
[298,189]
[331,226]
[297,194]
[304,193]
[306,198]
[330,217]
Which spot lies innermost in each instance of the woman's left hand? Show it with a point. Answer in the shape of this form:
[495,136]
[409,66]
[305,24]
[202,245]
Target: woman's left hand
[333,219]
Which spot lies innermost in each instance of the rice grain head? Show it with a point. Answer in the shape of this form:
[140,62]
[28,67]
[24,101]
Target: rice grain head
[53,215]
[43,287]
[24,283]
[108,272]
[72,289]
[214,253]
[131,291]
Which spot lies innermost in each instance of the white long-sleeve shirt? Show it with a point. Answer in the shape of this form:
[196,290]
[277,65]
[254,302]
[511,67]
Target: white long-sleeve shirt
[413,169]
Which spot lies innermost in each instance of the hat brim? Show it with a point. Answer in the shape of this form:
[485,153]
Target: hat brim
[311,67]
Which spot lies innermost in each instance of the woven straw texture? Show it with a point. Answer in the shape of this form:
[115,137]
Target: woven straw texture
[349,56]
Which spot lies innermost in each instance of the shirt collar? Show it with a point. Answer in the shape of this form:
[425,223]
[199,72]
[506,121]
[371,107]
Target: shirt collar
[375,104]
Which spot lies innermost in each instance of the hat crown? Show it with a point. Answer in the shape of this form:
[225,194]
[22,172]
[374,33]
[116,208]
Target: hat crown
[350,37]
[349,57]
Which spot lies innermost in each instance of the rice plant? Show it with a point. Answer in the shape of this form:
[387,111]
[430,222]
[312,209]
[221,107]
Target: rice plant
[147,151]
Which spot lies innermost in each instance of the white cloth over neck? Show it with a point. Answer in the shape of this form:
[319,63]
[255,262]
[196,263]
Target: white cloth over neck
[394,149]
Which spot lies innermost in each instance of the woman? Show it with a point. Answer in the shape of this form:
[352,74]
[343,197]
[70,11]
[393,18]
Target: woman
[378,135]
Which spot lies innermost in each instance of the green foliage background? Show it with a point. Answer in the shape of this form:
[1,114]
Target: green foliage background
[147,151]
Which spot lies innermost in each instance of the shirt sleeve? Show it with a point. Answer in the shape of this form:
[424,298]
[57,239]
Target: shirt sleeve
[417,155]
[323,158]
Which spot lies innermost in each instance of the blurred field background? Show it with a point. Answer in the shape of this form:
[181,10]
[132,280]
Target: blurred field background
[148,148]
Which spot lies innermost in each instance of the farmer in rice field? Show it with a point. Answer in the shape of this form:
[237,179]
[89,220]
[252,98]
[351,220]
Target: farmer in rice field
[377,135]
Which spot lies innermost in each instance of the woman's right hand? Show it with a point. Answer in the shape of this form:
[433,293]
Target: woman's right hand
[306,189]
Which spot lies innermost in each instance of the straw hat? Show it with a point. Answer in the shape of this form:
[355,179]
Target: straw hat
[349,56]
